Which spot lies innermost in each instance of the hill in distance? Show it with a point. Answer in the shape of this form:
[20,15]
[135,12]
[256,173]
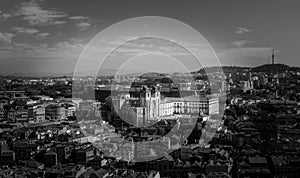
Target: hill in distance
[263,68]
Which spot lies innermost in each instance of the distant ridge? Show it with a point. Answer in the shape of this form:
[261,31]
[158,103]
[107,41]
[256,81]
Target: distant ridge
[271,68]
[262,68]
[207,70]
[219,69]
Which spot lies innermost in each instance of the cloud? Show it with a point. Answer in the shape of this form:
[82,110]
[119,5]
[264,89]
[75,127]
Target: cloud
[83,25]
[58,22]
[240,43]
[61,55]
[4,16]
[79,18]
[31,31]
[42,36]
[84,22]
[29,47]
[25,30]
[242,30]
[34,14]
[71,44]
[6,37]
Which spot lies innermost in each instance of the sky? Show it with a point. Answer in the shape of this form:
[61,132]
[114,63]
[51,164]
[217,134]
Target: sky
[48,36]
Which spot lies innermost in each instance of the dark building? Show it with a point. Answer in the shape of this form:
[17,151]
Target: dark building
[61,153]
[83,155]
[7,157]
[50,158]
[24,150]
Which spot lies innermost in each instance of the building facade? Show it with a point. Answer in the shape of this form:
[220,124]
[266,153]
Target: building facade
[150,106]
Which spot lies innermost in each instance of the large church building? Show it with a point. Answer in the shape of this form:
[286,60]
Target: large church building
[151,106]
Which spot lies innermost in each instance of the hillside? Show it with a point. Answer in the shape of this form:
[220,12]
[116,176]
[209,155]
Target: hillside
[271,68]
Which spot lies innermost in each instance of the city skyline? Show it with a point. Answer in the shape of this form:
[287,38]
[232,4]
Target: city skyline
[48,36]
[149,89]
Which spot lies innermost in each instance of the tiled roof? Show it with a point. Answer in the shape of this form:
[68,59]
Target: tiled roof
[50,153]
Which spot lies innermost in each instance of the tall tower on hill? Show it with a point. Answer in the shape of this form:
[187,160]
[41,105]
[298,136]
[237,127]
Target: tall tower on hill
[273,57]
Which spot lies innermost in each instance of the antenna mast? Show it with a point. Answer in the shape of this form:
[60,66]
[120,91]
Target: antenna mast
[273,57]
